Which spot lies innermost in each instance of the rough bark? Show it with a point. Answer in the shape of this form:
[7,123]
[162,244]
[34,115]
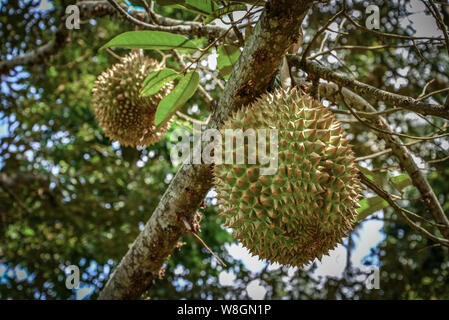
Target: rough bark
[366,90]
[250,78]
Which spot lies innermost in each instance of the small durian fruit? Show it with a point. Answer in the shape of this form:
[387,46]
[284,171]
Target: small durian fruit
[122,113]
[305,209]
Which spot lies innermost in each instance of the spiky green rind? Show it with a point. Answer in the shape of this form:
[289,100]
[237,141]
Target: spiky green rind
[122,113]
[305,209]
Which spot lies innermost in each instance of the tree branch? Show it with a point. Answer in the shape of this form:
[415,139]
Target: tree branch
[333,93]
[370,91]
[250,78]
[201,91]
[402,212]
[41,54]
[98,9]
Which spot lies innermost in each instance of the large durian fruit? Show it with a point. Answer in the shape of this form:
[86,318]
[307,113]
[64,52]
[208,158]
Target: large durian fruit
[305,209]
[122,113]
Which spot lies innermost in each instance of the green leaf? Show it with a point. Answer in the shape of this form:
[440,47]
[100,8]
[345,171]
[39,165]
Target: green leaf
[156,80]
[177,97]
[28,231]
[226,72]
[150,40]
[205,7]
[198,42]
[227,57]
[400,182]
[369,206]
[222,11]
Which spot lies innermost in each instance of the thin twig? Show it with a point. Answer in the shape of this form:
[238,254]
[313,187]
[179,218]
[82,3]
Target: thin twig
[385,131]
[383,194]
[432,93]
[112,53]
[190,119]
[188,227]
[319,32]
[202,92]
[438,160]
[389,35]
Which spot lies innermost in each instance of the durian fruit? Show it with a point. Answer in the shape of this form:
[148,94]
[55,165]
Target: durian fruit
[305,209]
[120,110]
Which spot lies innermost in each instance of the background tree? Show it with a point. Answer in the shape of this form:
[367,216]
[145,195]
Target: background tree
[68,195]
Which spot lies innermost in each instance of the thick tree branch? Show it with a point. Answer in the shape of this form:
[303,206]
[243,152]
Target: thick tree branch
[250,78]
[370,91]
